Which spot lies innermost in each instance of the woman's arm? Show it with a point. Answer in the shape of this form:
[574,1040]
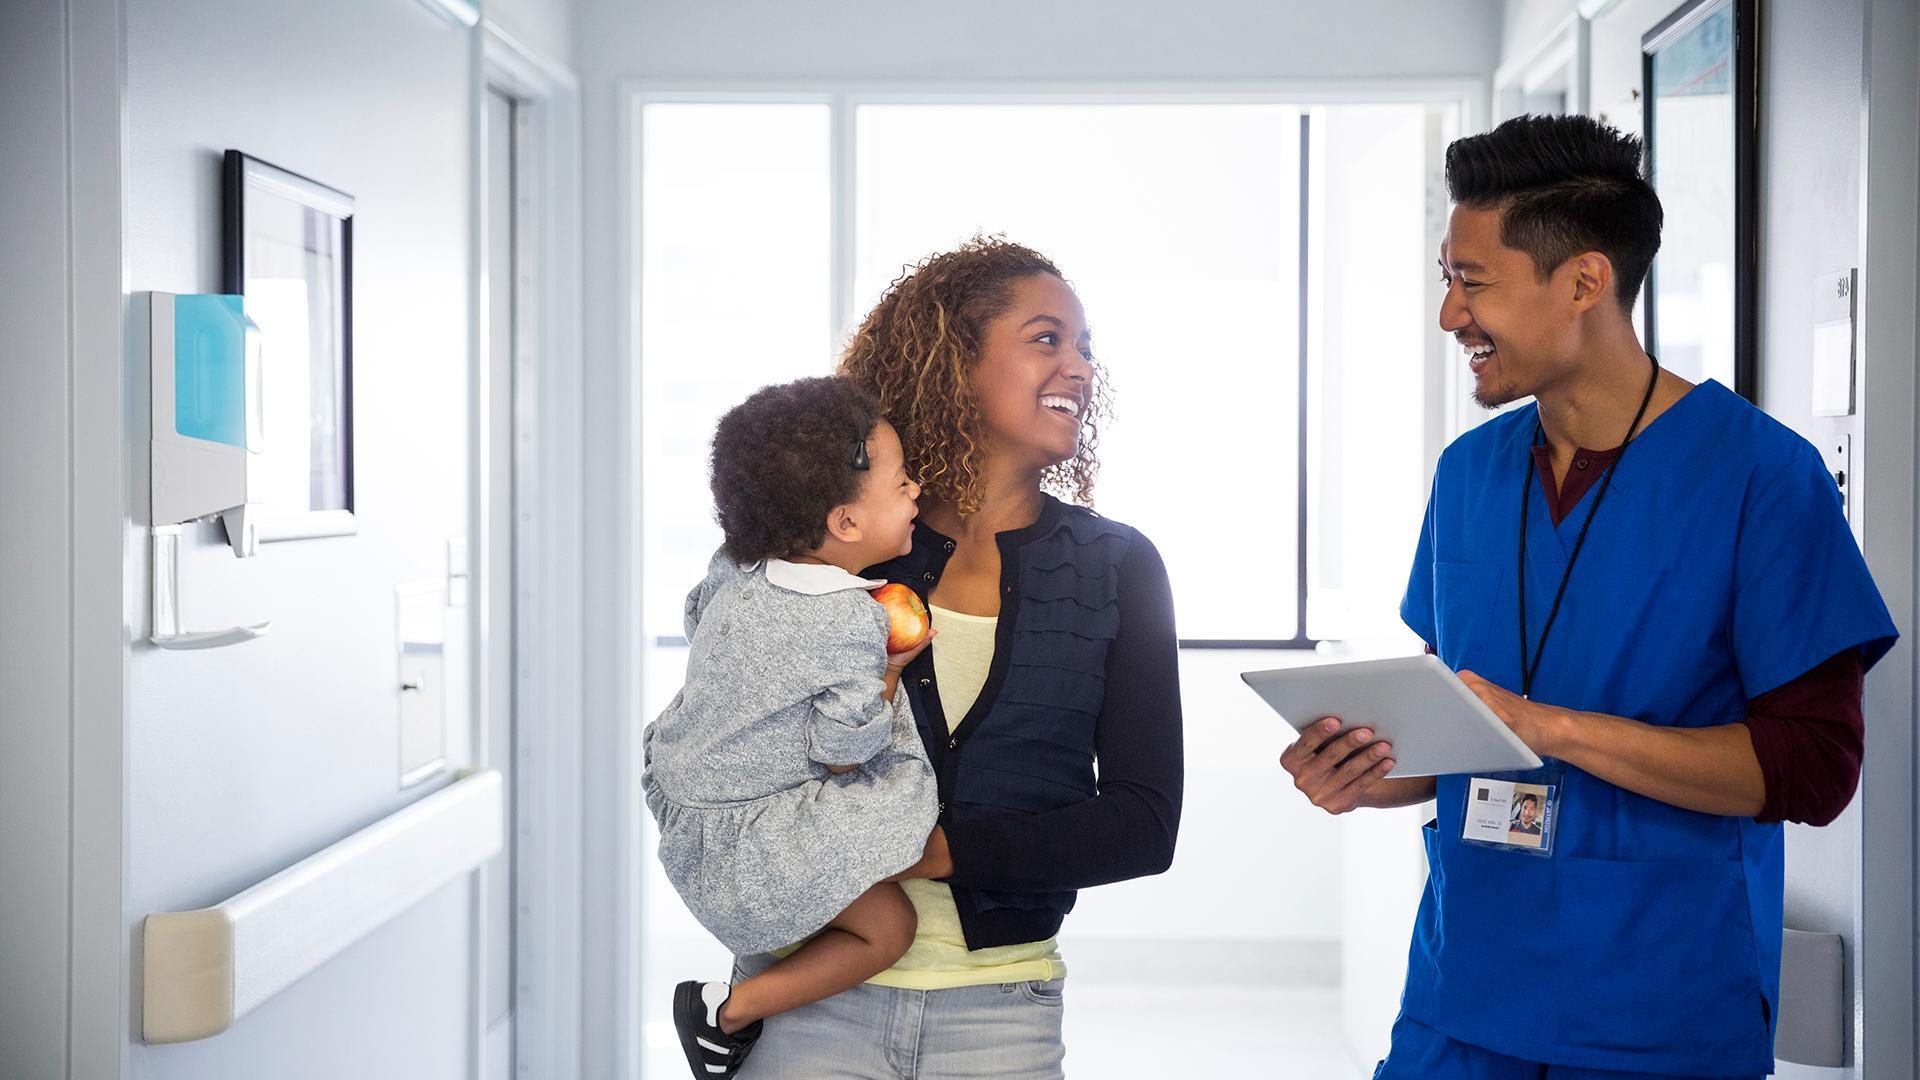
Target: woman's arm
[935,860]
[1126,830]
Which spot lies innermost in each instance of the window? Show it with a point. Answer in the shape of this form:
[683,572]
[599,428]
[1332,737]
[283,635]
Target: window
[1179,227]
[1255,274]
[736,271]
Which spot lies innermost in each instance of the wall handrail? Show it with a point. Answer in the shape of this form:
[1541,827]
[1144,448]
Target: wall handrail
[205,969]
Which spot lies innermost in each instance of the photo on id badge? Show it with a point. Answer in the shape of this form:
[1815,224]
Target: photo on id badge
[1509,814]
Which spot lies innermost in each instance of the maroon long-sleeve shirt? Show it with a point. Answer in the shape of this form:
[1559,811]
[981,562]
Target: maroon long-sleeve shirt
[1808,734]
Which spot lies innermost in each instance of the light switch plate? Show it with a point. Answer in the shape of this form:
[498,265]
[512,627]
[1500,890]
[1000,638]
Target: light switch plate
[421,637]
[459,576]
[1837,449]
[1833,387]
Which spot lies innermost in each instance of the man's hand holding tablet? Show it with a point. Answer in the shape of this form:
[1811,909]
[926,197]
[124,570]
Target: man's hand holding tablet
[1360,721]
[1340,770]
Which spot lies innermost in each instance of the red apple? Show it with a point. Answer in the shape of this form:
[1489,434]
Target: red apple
[907,621]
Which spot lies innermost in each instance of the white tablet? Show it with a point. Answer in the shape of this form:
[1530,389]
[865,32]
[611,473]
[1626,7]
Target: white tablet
[1436,725]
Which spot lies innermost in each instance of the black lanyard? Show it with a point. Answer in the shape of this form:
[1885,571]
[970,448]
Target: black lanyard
[1527,670]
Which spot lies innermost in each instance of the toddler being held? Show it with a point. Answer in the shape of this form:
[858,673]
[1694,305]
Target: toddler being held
[787,776]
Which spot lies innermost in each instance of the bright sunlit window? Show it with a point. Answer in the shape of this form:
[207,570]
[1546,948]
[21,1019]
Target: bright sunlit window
[1178,225]
[735,278]
[1227,254]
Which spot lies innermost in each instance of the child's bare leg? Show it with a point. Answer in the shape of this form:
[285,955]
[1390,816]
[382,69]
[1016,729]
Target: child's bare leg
[861,942]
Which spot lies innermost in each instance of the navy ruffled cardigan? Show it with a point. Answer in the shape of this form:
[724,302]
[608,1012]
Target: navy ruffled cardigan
[1085,671]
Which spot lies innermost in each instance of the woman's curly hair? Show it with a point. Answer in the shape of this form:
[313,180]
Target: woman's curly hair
[782,459]
[916,352]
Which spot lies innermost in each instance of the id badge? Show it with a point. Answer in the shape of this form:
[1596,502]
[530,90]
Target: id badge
[1517,811]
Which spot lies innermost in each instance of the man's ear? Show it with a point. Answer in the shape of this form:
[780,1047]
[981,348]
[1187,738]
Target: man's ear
[841,526]
[1592,279]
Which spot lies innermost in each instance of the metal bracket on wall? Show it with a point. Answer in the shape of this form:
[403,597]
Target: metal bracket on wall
[164,580]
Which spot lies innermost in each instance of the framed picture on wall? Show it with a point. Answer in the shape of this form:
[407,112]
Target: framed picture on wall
[1700,79]
[288,250]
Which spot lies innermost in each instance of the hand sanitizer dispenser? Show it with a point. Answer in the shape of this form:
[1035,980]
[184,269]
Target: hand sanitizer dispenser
[206,409]
[206,424]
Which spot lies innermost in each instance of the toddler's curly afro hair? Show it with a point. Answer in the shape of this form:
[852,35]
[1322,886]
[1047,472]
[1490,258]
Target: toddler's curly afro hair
[782,459]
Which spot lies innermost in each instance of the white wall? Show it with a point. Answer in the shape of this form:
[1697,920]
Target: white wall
[1526,23]
[245,759]
[62,650]
[1064,39]
[1810,158]
[1884,976]
[543,27]
[35,633]
[1810,226]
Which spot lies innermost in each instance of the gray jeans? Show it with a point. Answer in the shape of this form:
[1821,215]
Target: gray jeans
[1001,1031]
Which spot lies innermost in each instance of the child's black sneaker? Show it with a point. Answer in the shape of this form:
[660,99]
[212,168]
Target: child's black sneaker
[711,1053]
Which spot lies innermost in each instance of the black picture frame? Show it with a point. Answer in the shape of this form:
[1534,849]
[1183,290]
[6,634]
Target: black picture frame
[1680,59]
[263,206]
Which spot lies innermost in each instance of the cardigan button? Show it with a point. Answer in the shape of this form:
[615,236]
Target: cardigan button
[953,744]
[928,577]
[949,546]
[925,682]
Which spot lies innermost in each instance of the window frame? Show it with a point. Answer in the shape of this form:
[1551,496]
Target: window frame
[844,99]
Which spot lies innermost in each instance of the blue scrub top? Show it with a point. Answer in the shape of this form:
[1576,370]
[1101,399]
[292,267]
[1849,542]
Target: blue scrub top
[1720,567]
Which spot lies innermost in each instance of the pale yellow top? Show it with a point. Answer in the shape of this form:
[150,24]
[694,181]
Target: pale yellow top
[939,959]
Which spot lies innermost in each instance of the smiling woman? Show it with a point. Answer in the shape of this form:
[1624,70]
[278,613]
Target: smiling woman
[1062,659]
[1016,392]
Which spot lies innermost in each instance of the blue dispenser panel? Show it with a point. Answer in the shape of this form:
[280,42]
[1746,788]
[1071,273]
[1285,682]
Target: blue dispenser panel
[209,368]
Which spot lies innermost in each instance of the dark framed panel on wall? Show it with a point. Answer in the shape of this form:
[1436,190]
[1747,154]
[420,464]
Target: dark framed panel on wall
[1700,98]
[287,250]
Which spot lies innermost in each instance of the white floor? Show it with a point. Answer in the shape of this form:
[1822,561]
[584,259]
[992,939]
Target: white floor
[1133,1033]
[1122,1033]
[1142,1019]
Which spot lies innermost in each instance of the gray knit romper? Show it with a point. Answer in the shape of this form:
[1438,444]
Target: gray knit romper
[761,841]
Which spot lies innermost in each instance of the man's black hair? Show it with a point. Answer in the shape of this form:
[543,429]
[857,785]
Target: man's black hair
[1563,185]
[785,457]
[1529,797]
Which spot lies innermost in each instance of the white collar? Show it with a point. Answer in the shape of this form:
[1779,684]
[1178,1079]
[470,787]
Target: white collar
[815,579]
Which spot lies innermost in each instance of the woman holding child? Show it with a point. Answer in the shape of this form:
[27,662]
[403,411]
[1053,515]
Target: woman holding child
[1054,652]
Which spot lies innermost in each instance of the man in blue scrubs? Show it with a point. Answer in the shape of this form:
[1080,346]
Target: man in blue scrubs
[1677,622]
